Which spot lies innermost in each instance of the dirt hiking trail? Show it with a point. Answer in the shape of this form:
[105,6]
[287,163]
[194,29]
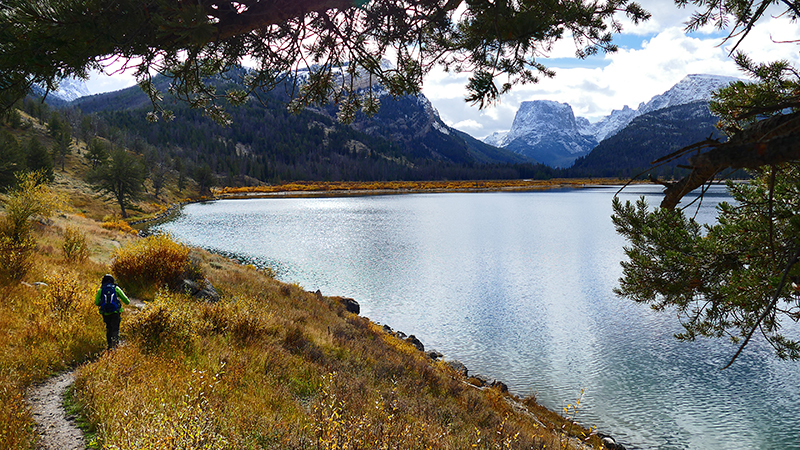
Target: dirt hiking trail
[55,430]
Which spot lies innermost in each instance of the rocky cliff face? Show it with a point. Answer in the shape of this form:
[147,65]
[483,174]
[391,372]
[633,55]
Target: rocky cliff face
[547,132]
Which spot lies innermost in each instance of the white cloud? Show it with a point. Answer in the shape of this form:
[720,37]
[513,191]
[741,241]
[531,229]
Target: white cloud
[469,124]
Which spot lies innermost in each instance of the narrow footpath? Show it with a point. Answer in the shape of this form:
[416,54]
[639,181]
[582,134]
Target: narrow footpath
[54,429]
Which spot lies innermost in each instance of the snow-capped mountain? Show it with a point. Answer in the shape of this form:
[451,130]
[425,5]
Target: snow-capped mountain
[69,89]
[536,126]
[690,89]
[548,132]
[497,138]
[610,124]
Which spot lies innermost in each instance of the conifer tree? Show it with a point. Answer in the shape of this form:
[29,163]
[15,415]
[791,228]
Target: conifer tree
[204,177]
[63,146]
[97,152]
[121,178]
[38,159]
[12,160]
[741,276]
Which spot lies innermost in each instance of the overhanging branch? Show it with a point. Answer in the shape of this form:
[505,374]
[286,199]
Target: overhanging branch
[771,141]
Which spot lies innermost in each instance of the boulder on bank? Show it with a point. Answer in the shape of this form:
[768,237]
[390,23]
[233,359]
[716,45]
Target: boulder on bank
[609,442]
[458,366]
[205,292]
[435,355]
[415,342]
[350,305]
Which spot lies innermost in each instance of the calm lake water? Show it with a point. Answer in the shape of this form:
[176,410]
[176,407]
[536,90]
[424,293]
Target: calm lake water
[518,286]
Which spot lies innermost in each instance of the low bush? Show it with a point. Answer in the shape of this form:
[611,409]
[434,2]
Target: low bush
[119,225]
[64,293]
[15,257]
[75,247]
[31,198]
[150,263]
[162,325]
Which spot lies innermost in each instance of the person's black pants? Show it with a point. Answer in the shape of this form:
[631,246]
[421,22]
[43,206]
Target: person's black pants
[112,329]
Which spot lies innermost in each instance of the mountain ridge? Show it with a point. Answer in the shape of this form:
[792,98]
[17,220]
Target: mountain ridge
[561,148]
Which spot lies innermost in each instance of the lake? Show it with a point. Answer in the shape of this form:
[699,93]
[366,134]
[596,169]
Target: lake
[518,286]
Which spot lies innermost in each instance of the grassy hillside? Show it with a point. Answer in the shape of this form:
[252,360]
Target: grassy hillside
[268,366]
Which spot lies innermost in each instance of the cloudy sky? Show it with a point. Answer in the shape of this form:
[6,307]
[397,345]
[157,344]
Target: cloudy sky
[653,56]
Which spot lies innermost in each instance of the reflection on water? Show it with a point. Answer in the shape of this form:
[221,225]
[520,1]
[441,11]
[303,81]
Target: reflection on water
[518,286]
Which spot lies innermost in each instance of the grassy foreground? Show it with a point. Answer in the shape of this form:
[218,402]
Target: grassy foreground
[269,366]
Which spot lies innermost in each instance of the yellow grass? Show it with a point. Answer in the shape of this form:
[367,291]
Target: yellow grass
[358,187]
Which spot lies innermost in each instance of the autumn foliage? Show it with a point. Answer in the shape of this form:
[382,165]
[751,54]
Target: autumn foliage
[149,263]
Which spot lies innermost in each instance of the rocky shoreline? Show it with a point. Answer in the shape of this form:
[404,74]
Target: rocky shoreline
[477,381]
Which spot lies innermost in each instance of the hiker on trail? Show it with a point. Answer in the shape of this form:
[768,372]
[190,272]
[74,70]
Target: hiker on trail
[108,299]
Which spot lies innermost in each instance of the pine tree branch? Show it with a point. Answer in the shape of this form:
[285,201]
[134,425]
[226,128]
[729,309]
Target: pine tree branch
[768,309]
[771,141]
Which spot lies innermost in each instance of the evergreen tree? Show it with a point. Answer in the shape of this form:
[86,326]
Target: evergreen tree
[743,275]
[55,125]
[12,160]
[205,179]
[158,176]
[97,152]
[181,174]
[63,146]
[725,280]
[38,159]
[121,178]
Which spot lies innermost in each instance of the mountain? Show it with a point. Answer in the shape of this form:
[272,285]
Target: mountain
[412,123]
[557,139]
[69,89]
[547,132]
[610,124]
[690,89]
[406,139]
[648,138]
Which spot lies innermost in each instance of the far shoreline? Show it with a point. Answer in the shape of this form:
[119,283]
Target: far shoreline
[300,189]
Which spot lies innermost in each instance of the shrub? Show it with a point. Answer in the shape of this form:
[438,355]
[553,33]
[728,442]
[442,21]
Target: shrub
[31,198]
[75,247]
[162,324]
[154,261]
[64,293]
[15,257]
[119,225]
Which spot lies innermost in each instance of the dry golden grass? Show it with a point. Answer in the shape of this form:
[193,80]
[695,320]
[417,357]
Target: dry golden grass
[359,187]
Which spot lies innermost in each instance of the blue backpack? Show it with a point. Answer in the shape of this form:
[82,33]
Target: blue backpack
[109,303]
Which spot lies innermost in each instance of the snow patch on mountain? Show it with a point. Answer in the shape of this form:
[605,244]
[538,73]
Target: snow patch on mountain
[498,138]
[69,89]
